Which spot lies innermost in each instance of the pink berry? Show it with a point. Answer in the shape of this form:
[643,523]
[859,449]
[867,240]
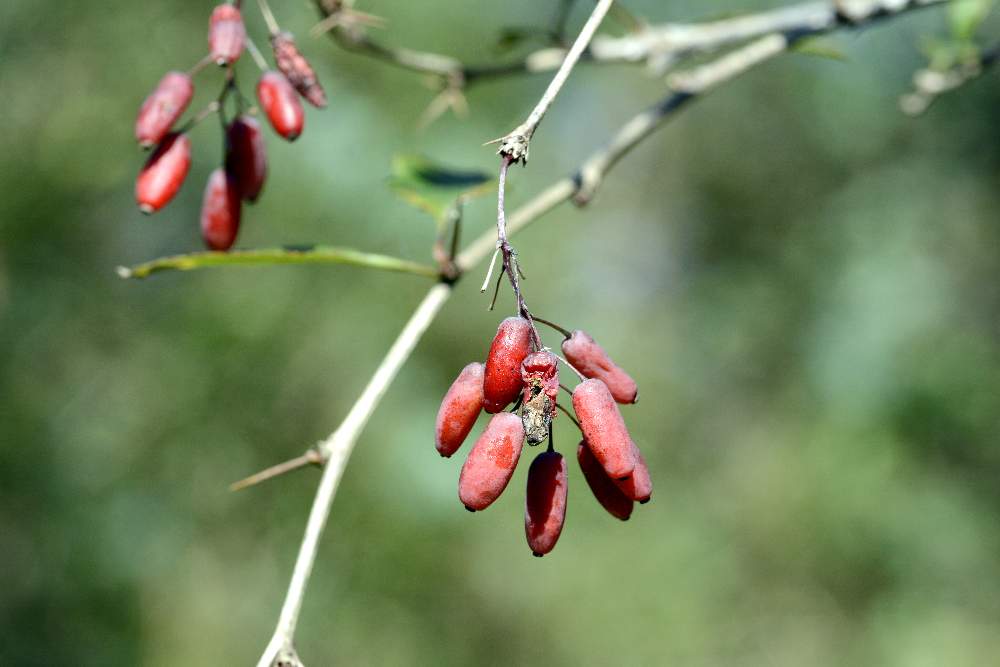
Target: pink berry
[502,382]
[459,410]
[164,173]
[491,462]
[545,504]
[226,34]
[593,362]
[604,428]
[281,104]
[162,108]
[220,211]
[611,498]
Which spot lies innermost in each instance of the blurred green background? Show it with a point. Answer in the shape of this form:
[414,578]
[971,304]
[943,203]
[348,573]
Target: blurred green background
[802,280]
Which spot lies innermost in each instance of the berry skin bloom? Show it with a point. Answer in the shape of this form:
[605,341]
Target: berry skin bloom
[603,428]
[163,174]
[162,108]
[545,502]
[220,211]
[459,410]
[510,346]
[593,362]
[605,489]
[226,34]
[491,462]
[300,73]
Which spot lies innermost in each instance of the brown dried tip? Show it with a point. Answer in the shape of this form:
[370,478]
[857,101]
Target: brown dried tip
[540,378]
[297,69]
[459,410]
[593,362]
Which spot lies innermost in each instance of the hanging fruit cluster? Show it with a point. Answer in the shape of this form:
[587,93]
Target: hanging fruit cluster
[243,170]
[517,372]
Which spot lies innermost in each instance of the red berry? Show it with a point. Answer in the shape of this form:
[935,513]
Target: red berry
[491,462]
[639,486]
[459,410]
[545,505]
[281,104]
[540,378]
[246,156]
[511,345]
[162,108]
[220,211]
[612,498]
[164,172]
[298,70]
[593,362]
[226,34]
[604,428]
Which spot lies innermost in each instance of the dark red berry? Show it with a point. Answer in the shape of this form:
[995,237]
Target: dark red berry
[163,174]
[459,410]
[502,382]
[281,104]
[246,156]
[639,486]
[491,462]
[226,34]
[593,362]
[162,108]
[540,378]
[603,428]
[612,498]
[298,70]
[545,504]
[220,211]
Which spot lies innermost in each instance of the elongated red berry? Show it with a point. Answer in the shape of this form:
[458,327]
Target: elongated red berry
[604,428]
[162,108]
[246,156]
[459,410]
[226,34]
[590,359]
[639,485]
[612,498]
[298,70]
[281,104]
[545,505]
[540,389]
[491,462]
[220,211]
[502,382]
[164,173]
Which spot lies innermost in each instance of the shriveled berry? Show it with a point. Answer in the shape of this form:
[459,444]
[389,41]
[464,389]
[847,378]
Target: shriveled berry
[491,462]
[298,70]
[545,504]
[281,103]
[459,410]
[164,173]
[639,485]
[590,359]
[162,108]
[604,428]
[220,211]
[246,156]
[511,345]
[226,34]
[611,498]
[540,378]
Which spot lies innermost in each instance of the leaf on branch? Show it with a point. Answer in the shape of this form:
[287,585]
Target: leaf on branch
[434,188]
[821,48]
[512,37]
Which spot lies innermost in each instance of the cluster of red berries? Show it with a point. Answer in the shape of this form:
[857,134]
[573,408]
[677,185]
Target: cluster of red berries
[244,165]
[516,373]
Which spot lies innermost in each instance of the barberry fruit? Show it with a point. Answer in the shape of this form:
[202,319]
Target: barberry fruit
[459,410]
[545,504]
[246,156]
[603,428]
[226,34]
[638,486]
[164,173]
[491,462]
[298,70]
[611,498]
[220,211]
[281,104]
[502,382]
[162,108]
[593,362]
[540,378]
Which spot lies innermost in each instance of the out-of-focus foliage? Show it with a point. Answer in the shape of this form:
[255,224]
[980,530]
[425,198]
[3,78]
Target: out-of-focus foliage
[803,280]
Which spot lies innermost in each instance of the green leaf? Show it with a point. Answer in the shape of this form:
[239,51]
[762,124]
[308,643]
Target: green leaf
[965,17]
[512,37]
[432,187]
[817,46]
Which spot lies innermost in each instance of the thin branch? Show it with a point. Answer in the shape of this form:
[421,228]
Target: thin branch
[929,83]
[311,457]
[317,254]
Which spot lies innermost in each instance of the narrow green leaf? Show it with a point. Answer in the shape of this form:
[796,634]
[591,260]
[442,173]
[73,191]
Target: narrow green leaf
[432,187]
[821,48]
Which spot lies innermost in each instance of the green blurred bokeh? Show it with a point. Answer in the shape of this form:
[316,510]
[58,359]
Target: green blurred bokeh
[803,281]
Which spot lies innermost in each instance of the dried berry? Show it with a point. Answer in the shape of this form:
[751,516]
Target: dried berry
[540,378]
[226,34]
[511,345]
[246,156]
[604,428]
[298,70]
[162,108]
[491,462]
[593,362]
[281,103]
[459,409]
[545,504]
[611,498]
[164,173]
[220,211]
[638,486]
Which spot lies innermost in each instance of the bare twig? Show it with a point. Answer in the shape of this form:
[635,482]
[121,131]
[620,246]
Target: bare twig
[929,83]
